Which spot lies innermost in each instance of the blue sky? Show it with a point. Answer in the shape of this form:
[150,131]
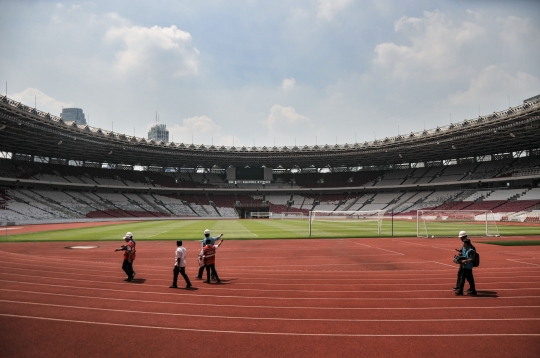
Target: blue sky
[259,72]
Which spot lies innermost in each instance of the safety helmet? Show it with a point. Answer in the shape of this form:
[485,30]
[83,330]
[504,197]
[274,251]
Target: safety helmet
[462,234]
[129,234]
[207,232]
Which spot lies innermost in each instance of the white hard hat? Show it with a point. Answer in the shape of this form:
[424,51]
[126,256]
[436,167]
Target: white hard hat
[462,234]
[129,234]
[207,232]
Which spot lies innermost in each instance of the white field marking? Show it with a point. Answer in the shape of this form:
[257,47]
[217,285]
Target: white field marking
[275,333]
[163,232]
[316,283]
[440,263]
[441,273]
[282,298]
[225,288]
[277,307]
[378,248]
[523,262]
[269,318]
[11,228]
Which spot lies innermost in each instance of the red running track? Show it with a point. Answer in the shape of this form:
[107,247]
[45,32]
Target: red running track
[294,298]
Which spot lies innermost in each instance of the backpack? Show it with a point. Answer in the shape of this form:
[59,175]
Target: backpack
[476,261]
[476,258]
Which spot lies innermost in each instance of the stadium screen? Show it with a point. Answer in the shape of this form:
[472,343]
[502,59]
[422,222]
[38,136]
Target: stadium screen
[249,173]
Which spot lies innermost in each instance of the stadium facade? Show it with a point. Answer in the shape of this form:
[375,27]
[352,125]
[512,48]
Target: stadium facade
[44,154]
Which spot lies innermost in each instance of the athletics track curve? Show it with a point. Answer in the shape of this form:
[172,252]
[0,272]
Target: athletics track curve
[295,298]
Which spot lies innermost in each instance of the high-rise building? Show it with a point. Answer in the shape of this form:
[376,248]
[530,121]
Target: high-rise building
[73,114]
[159,132]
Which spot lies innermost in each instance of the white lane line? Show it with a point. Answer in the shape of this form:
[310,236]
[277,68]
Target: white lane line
[283,298]
[247,275]
[440,263]
[523,262]
[213,331]
[316,283]
[159,233]
[460,307]
[454,319]
[225,288]
[378,248]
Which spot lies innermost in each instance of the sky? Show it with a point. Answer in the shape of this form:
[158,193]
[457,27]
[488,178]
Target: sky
[254,72]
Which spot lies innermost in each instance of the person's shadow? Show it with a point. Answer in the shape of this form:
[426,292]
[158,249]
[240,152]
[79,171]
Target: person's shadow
[487,294]
[138,280]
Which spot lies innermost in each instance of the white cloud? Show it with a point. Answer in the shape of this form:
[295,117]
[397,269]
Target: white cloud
[204,131]
[327,9]
[285,123]
[436,47]
[288,83]
[163,49]
[493,85]
[45,103]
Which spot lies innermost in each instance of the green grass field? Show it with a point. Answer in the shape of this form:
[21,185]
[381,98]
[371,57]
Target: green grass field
[260,229]
[514,243]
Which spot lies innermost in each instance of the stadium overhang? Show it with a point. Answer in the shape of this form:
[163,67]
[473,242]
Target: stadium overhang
[28,131]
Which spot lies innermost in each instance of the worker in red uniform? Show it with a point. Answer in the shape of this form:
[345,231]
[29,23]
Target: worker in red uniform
[209,257]
[129,257]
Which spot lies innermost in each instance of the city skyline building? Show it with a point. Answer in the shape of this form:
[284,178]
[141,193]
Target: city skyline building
[159,132]
[73,114]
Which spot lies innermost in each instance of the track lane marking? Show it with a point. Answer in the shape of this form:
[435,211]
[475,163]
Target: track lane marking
[224,287]
[271,307]
[270,318]
[213,331]
[287,298]
[523,262]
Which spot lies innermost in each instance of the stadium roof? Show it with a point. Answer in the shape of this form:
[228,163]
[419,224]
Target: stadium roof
[26,130]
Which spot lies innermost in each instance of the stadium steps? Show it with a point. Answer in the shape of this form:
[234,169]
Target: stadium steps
[20,200]
[353,203]
[158,204]
[211,202]
[87,203]
[54,204]
[135,202]
[188,204]
[118,210]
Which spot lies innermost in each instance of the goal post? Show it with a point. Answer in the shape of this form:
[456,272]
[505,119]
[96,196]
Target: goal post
[260,215]
[292,215]
[448,223]
[345,223]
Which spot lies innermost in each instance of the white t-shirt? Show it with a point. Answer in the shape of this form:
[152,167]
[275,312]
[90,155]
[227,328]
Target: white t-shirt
[180,254]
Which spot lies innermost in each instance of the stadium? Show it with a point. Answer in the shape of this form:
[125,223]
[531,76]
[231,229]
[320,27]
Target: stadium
[57,171]
[68,194]
[334,178]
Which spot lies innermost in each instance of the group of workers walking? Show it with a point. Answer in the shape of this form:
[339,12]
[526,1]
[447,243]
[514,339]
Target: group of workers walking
[207,259]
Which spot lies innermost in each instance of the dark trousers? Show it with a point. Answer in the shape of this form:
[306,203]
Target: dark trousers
[128,268]
[182,271]
[214,272]
[466,274]
[459,275]
[201,270]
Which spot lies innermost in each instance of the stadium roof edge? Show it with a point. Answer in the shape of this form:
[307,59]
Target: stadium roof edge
[516,128]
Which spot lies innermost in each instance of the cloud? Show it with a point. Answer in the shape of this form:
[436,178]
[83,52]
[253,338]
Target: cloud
[493,85]
[288,83]
[162,49]
[287,124]
[204,131]
[327,9]
[45,103]
[436,49]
